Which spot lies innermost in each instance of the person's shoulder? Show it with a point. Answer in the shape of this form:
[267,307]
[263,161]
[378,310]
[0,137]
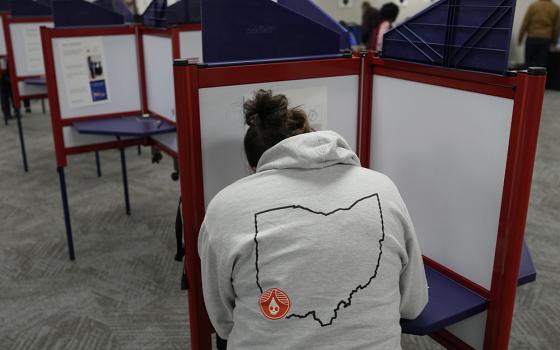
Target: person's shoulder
[231,197]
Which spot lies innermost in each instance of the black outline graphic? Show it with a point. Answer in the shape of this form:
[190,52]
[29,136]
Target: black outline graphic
[342,303]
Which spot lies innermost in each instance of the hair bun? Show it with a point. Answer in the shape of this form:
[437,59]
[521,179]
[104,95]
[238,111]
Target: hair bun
[266,110]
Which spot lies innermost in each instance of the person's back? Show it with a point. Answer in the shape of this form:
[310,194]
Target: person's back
[541,20]
[311,252]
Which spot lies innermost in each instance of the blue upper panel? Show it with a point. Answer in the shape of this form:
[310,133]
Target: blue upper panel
[158,14]
[117,6]
[30,8]
[4,5]
[80,13]
[462,34]
[249,30]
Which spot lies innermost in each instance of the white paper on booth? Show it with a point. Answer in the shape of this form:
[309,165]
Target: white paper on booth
[33,48]
[83,71]
[313,101]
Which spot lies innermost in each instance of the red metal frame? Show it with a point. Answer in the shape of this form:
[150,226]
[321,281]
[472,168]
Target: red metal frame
[192,192]
[174,34]
[188,81]
[14,78]
[526,91]
[58,123]
[515,202]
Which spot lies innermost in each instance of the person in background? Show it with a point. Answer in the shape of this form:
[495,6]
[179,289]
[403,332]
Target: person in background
[388,14]
[312,251]
[370,18]
[541,25]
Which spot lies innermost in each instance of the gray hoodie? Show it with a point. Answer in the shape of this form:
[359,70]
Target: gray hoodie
[311,252]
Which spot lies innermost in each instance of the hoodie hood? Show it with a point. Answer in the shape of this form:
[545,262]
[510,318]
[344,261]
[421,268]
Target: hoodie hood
[314,150]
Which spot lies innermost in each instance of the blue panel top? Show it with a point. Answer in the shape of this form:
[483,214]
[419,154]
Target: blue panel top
[80,13]
[159,15]
[29,8]
[117,6]
[259,30]
[125,126]
[463,34]
[183,12]
[154,15]
[4,5]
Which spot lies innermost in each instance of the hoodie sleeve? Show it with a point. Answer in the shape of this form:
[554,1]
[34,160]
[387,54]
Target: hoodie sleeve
[219,296]
[413,285]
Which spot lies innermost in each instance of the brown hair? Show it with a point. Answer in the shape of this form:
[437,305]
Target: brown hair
[270,121]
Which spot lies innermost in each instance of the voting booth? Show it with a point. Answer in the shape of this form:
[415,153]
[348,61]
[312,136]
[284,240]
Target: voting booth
[25,55]
[111,84]
[460,149]
[168,33]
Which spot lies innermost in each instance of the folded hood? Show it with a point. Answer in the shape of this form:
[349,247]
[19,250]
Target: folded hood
[314,150]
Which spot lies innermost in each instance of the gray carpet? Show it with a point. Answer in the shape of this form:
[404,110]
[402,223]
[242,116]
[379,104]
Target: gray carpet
[123,292]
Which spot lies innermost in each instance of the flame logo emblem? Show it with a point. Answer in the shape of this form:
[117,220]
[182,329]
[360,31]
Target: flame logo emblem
[274,304]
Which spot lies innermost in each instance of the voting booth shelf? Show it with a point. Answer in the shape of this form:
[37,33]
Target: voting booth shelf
[456,123]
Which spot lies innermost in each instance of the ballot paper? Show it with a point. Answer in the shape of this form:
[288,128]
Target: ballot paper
[84,71]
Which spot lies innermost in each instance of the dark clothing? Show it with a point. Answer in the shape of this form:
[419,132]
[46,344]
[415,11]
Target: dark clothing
[370,19]
[536,52]
[6,94]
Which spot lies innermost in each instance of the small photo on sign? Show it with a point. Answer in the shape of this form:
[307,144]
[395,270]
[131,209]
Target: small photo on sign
[97,82]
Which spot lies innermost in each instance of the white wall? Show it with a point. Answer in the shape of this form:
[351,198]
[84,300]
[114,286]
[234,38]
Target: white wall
[353,14]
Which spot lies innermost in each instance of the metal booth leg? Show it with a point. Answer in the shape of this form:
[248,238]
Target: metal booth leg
[125,180]
[43,106]
[139,150]
[98,163]
[21,140]
[66,209]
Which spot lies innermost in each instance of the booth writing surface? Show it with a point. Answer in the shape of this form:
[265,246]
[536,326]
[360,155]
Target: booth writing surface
[72,138]
[223,129]
[158,66]
[121,72]
[446,150]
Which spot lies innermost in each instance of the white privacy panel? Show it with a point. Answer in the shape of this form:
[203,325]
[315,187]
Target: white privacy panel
[29,89]
[28,51]
[168,140]
[331,103]
[191,45]
[158,64]
[72,138]
[3,51]
[446,151]
[121,75]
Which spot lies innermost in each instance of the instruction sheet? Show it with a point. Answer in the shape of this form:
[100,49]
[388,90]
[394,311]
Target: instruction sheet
[33,48]
[84,71]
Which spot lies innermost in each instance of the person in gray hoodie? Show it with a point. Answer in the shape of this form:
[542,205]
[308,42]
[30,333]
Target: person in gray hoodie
[312,251]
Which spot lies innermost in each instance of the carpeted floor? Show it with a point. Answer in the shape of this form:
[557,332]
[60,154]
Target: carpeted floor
[123,291]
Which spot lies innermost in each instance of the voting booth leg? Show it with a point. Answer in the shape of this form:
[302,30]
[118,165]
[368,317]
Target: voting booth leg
[21,140]
[43,106]
[139,150]
[125,181]
[98,163]
[66,209]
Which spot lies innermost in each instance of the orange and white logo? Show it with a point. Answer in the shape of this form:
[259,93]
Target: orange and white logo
[274,304]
